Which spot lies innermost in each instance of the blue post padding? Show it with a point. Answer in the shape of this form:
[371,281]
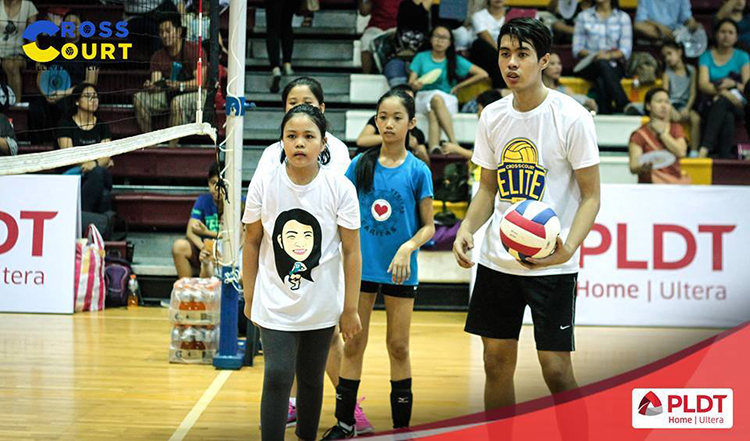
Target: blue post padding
[229,355]
[235,105]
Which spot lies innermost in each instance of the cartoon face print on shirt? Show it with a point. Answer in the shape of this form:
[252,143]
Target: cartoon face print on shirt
[381,211]
[296,246]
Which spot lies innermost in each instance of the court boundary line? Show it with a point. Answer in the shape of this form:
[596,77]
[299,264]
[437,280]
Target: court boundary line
[192,417]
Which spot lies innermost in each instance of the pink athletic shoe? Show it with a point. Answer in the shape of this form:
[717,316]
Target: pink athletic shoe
[362,424]
[291,416]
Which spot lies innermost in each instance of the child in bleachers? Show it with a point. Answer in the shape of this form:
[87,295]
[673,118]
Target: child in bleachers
[15,15]
[370,135]
[680,80]
[437,99]
[551,78]
[191,254]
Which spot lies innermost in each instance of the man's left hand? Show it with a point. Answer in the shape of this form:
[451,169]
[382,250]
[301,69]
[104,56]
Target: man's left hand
[561,255]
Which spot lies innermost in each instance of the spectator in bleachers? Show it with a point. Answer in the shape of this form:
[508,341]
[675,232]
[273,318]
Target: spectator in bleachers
[173,86]
[735,9]
[564,28]
[723,73]
[383,18]
[487,23]
[192,25]
[279,14]
[660,133]
[657,19]
[143,17]
[15,15]
[437,99]
[551,78]
[56,81]
[8,144]
[191,254]
[681,81]
[370,135]
[464,35]
[606,32]
[83,127]
[411,33]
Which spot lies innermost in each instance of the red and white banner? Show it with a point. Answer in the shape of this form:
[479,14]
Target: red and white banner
[39,215]
[663,255]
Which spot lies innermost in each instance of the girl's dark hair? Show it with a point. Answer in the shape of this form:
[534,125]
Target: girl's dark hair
[450,55]
[365,170]
[311,84]
[650,95]
[317,117]
[75,95]
[722,22]
[528,30]
[673,44]
[284,263]
[213,171]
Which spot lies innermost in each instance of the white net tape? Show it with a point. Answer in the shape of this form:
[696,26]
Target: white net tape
[34,162]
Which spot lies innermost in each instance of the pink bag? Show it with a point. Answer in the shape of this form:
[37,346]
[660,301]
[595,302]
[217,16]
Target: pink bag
[89,284]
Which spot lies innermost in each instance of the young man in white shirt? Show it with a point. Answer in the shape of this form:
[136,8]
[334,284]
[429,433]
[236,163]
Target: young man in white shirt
[558,140]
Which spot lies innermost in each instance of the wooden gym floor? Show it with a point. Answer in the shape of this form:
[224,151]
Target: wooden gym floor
[106,376]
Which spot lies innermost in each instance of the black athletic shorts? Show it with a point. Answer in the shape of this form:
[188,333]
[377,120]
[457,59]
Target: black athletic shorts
[387,289]
[499,300]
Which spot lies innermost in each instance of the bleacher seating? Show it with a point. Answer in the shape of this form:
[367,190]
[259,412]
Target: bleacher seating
[157,186]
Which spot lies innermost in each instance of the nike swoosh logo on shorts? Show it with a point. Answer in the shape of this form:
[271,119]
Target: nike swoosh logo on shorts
[562,328]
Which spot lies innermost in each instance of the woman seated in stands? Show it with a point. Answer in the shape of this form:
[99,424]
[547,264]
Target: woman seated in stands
[607,32]
[551,78]
[438,99]
[735,9]
[83,128]
[412,29]
[660,133]
[722,75]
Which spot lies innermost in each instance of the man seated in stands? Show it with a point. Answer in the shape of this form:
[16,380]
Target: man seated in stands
[657,19]
[56,81]
[8,145]
[193,254]
[370,135]
[173,86]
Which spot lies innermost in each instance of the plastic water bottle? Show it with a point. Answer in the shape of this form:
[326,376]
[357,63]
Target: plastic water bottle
[132,292]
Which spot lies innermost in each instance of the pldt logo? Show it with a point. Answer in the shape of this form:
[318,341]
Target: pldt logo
[682,409]
[70,51]
[653,400]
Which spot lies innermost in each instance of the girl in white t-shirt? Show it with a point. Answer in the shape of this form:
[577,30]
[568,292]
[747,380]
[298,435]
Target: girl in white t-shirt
[302,223]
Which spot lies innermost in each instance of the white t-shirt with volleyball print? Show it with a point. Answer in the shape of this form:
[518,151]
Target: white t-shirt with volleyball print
[535,154]
[300,273]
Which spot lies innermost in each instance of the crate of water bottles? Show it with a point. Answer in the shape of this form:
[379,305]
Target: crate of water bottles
[195,301]
[193,344]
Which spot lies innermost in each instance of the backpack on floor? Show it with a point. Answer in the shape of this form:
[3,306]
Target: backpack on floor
[116,276]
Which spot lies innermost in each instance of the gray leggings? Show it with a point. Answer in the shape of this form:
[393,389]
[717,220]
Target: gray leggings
[284,353]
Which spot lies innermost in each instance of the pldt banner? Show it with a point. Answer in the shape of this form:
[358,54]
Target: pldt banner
[667,256]
[38,219]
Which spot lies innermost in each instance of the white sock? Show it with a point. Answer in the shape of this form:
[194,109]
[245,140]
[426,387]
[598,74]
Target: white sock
[293,400]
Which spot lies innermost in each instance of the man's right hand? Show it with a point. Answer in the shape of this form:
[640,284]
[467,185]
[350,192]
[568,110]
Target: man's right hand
[461,246]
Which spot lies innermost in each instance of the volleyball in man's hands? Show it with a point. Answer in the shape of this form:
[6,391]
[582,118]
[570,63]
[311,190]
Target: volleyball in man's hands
[529,229]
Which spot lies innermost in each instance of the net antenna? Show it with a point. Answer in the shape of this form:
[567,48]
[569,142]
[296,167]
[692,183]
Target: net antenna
[230,355]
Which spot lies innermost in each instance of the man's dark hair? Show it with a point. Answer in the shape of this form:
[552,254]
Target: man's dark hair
[528,30]
[213,171]
[172,17]
[488,97]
